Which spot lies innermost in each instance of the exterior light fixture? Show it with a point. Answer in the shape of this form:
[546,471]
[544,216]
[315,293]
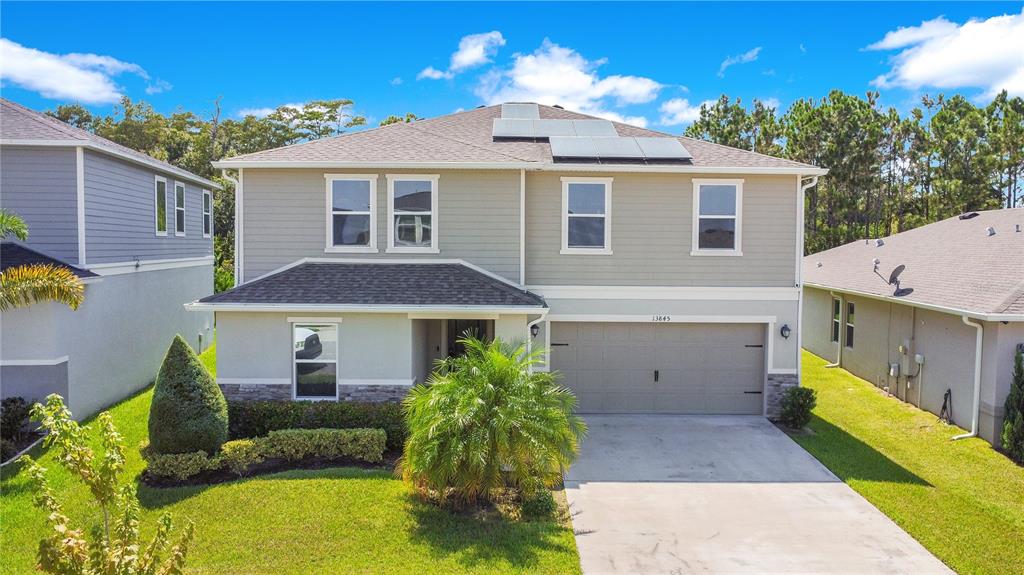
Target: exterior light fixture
[534,330]
[785,331]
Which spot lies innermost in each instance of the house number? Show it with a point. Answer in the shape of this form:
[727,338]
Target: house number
[661,318]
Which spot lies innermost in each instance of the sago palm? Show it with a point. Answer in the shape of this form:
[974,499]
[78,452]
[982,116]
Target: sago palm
[486,420]
[24,285]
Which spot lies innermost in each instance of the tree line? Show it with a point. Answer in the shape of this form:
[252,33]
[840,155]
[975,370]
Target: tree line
[889,172]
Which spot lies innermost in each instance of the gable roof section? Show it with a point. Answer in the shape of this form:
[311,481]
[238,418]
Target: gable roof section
[25,127]
[375,285]
[465,139]
[952,264]
[13,255]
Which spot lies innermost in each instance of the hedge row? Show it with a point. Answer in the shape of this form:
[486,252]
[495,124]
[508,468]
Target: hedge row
[249,419]
[239,456]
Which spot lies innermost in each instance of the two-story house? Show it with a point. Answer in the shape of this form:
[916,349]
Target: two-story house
[138,232]
[661,274]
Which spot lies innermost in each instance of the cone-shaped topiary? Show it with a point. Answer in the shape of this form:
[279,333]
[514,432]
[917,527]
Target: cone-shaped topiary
[188,412]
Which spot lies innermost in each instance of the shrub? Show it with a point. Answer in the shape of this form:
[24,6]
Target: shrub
[14,418]
[296,444]
[487,421]
[188,412]
[248,419]
[116,545]
[797,404]
[241,454]
[539,505]
[178,466]
[7,449]
[1013,419]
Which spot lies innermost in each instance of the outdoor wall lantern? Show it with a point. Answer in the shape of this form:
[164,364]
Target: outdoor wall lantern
[534,330]
[785,331]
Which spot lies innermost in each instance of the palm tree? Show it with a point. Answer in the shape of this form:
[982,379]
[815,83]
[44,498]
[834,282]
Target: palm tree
[23,285]
[486,421]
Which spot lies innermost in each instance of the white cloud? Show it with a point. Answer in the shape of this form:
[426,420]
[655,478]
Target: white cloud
[158,87]
[553,74]
[986,54]
[744,58]
[264,112]
[396,81]
[678,111]
[87,78]
[771,102]
[474,50]
[803,48]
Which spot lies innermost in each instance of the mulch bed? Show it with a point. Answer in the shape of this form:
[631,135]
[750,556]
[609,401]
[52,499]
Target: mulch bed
[21,444]
[267,467]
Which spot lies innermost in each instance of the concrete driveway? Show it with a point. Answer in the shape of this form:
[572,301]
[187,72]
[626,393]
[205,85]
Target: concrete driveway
[722,494]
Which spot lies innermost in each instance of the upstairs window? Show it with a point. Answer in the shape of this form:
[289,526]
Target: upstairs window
[351,213]
[160,203]
[716,217]
[850,309]
[837,319]
[179,209]
[586,216]
[412,214]
[207,214]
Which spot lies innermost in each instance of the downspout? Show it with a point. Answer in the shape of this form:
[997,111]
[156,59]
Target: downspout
[842,330]
[976,409]
[522,228]
[801,231]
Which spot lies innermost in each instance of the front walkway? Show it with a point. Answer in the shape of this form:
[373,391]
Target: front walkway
[722,494]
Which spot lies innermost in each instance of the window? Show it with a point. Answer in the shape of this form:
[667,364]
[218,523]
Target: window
[351,213]
[207,214]
[586,216]
[837,319]
[412,214]
[849,324]
[160,202]
[315,349]
[179,209]
[717,208]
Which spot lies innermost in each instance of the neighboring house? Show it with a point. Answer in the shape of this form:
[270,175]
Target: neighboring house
[138,231]
[661,273]
[953,322]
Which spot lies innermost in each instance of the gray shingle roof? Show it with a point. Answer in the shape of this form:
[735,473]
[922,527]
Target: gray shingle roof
[953,263]
[466,137]
[26,126]
[379,284]
[12,254]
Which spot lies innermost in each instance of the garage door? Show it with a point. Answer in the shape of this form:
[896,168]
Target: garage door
[661,367]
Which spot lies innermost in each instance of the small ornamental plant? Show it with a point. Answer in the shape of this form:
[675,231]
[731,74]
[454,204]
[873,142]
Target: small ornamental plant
[797,404]
[115,546]
[1013,419]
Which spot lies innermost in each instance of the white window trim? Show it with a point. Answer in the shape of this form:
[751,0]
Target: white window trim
[335,323]
[207,213]
[606,250]
[835,324]
[156,206]
[737,249]
[184,214]
[849,327]
[329,246]
[434,219]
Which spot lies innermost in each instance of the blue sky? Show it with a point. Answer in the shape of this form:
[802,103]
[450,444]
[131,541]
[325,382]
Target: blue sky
[651,64]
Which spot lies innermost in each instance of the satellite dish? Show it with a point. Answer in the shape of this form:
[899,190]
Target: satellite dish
[894,277]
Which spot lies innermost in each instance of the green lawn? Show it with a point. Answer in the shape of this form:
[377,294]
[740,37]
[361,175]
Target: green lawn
[340,520]
[962,500]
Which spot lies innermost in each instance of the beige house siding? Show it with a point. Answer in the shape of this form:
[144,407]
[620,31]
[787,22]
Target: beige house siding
[946,343]
[284,213]
[651,226]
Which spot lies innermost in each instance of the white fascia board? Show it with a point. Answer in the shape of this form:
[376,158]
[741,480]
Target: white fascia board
[921,305]
[666,293]
[151,163]
[632,318]
[533,166]
[353,308]
[118,268]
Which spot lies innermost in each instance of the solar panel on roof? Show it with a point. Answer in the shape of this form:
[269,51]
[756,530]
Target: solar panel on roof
[663,149]
[512,128]
[594,128]
[617,148]
[520,111]
[573,147]
[549,128]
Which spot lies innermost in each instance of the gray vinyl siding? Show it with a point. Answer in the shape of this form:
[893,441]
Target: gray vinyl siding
[39,184]
[651,224]
[285,218]
[120,214]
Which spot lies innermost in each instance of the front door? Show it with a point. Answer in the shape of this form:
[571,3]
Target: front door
[458,328]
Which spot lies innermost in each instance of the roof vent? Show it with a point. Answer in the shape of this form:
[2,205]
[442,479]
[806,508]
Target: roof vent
[968,215]
[1018,228]
[879,243]
[557,106]
[990,231]
[819,264]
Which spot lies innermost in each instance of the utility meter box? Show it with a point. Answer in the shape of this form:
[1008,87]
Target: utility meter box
[894,370]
